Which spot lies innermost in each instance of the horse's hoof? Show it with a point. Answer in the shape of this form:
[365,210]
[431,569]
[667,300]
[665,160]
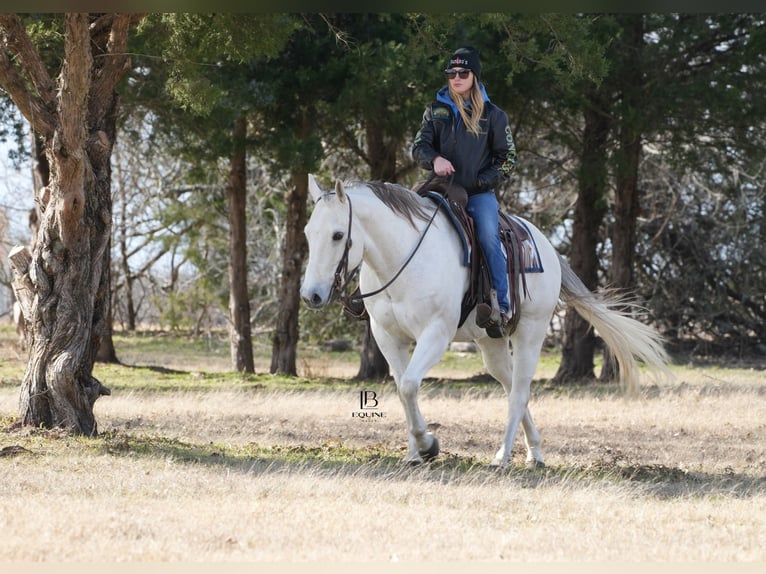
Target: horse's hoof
[432,452]
[535,464]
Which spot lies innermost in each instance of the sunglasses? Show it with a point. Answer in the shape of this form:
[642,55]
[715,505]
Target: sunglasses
[463,74]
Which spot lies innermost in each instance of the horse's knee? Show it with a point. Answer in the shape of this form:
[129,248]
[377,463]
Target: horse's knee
[518,399]
[408,388]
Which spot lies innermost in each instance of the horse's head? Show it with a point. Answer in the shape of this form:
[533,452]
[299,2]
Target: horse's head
[331,252]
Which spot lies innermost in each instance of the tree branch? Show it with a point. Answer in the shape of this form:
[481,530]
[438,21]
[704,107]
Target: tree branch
[116,64]
[350,140]
[75,82]
[36,108]
[18,43]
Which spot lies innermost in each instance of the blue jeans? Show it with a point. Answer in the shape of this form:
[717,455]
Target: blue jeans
[483,207]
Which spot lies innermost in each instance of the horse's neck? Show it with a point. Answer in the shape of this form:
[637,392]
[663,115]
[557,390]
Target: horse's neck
[389,237]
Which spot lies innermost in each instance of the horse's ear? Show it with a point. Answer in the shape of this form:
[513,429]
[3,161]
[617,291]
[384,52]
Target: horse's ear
[339,191]
[314,189]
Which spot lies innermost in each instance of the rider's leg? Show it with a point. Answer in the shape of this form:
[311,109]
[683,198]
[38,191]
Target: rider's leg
[483,208]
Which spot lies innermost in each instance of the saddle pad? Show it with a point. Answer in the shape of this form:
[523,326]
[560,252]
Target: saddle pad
[442,201]
[530,255]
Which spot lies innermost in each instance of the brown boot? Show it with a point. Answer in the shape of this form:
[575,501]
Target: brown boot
[484,315]
[500,328]
[488,316]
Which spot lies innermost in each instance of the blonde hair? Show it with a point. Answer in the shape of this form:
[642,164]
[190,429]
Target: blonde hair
[472,120]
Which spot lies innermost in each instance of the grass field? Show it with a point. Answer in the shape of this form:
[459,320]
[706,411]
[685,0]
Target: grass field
[194,463]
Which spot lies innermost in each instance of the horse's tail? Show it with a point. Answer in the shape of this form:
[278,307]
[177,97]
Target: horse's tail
[628,339]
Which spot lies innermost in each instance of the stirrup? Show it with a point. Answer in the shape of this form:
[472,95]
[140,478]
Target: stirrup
[500,329]
[488,317]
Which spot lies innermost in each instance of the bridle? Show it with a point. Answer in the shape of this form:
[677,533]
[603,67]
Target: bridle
[342,276]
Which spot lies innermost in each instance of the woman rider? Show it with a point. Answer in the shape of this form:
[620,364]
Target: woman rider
[465,136]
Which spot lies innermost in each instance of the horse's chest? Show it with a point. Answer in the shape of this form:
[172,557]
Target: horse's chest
[396,319]
[406,320]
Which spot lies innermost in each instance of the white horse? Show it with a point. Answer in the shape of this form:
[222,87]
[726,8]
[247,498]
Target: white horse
[393,233]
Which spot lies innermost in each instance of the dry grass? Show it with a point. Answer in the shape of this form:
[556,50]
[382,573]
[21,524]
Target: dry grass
[277,474]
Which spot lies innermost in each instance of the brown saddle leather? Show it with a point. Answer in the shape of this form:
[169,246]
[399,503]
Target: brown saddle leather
[511,233]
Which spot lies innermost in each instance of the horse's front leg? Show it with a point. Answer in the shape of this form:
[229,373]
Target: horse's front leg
[429,349]
[408,371]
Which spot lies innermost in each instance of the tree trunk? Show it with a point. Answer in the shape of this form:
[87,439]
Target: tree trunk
[41,177]
[239,297]
[127,273]
[105,352]
[374,366]
[628,157]
[41,173]
[381,152]
[285,338]
[626,201]
[579,342]
[67,278]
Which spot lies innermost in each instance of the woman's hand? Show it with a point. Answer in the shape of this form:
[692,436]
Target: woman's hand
[443,166]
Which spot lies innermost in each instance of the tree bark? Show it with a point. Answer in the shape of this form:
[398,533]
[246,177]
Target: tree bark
[628,157]
[626,201]
[579,342]
[69,266]
[105,352]
[380,151]
[285,338]
[239,297]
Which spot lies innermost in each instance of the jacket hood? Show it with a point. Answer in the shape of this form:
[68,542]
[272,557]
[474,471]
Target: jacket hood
[443,96]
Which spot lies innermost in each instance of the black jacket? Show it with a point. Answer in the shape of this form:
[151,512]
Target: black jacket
[480,162]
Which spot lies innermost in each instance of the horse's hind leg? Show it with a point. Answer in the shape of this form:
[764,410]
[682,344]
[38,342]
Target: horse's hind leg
[527,343]
[515,374]
[533,440]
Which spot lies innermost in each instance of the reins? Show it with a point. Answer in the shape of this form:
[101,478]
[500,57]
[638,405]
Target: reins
[343,277]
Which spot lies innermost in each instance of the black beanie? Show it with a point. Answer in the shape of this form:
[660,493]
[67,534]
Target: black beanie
[467,58]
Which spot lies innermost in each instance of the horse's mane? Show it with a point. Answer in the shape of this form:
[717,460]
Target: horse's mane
[399,199]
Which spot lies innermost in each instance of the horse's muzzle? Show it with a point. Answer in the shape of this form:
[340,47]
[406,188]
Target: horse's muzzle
[314,299]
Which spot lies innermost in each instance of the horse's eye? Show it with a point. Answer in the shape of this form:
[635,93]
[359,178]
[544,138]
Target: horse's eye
[337,236]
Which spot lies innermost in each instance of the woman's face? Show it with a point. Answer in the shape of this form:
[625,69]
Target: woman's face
[462,86]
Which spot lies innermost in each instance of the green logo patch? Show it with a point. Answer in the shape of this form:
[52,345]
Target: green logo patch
[441,113]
